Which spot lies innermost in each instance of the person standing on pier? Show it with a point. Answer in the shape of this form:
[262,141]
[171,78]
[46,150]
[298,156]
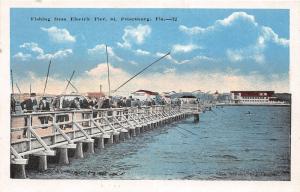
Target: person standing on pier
[120,102]
[12,104]
[93,104]
[44,105]
[106,103]
[75,104]
[128,101]
[28,106]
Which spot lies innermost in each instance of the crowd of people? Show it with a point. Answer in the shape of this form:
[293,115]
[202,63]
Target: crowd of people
[70,102]
[32,104]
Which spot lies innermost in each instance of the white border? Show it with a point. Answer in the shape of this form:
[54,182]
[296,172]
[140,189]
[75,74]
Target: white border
[7,184]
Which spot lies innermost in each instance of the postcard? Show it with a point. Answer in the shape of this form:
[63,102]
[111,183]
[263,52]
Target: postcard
[150,96]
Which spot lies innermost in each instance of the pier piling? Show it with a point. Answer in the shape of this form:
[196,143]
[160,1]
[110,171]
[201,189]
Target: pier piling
[19,171]
[42,163]
[101,143]
[79,151]
[196,117]
[128,134]
[107,128]
[63,155]
[111,140]
[90,149]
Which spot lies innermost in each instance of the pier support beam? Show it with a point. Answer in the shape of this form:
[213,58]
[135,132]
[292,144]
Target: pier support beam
[79,151]
[63,155]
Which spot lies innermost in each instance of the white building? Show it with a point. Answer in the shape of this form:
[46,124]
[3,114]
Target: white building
[254,97]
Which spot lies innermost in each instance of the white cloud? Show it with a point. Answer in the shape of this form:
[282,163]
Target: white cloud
[234,55]
[22,56]
[266,33]
[243,54]
[203,58]
[228,21]
[59,35]
[255,50]
[221,81]
[101,49]
[41,55]
[34,47]
[198,58]
[179,48]
[135,35]
[170,58]
[141,52]
[170,70]
[259,58]
[237,16]
[133,63]
[102,69]
[269,35]
[194,30]
[58,54]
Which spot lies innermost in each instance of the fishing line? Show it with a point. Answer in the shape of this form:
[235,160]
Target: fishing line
[180,132]
[187,130]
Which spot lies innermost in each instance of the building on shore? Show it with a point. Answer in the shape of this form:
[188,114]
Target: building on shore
[255,98]
[144,95]
[95,94]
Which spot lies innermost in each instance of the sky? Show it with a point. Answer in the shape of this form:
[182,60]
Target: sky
[211,49]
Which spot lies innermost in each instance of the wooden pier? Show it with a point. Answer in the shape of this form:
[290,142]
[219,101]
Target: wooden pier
[70,129]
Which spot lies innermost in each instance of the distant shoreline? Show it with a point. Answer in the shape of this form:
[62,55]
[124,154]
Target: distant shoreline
[239,104]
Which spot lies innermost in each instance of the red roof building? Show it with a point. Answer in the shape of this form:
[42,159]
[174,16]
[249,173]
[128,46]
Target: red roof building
[95,94]
[253,97]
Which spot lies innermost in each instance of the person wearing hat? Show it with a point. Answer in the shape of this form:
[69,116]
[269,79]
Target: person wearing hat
[28,106]
[75,103]
[44,105]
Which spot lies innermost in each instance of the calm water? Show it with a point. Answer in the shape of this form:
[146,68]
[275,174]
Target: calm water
[227,144]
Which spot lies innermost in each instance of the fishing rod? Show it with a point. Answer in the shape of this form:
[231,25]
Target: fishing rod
[73,86]
[18,88]
[108,77]
[142,71]
[12,81]
[47,78]
[69,81]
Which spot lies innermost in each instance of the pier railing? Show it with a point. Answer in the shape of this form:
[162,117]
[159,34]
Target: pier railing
[47,130]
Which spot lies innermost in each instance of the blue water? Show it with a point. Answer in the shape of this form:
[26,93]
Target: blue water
[227,144]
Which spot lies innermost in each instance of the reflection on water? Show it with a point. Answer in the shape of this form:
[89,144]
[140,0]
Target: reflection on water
[227,144]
